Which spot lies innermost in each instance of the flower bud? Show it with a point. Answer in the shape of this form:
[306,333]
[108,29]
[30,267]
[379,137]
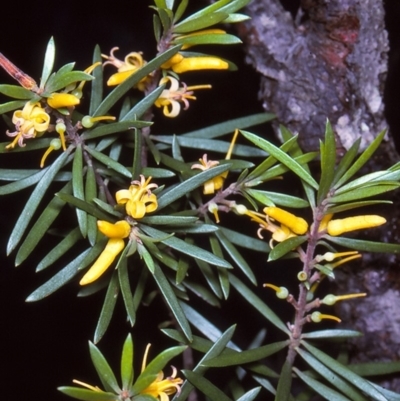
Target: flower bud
[296,224]
[59,100]
[340,226]
[200,63]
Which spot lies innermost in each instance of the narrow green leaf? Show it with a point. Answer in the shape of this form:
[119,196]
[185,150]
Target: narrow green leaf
[38,143]
[61,81]
[33,202]
[335,333]
[108,308]
[172,301]
[96,95]
[137,156]
[245,241]
[40,227]
[88,395]
[250,395]
[16,92]
[132,80]
[11,106]
[202,292]
[328,161]
[103,369]
[113,128]
[284,383]
[355,205]
[22,184]
[325,391]
[235,18]
[285,247]
[180,10]
[141,107]
[208,38]
[180,190]
[346,161]
[48,62]
[184,247]
[146,256]
[237,257]
[269,198]
[259,305]
[334,380]
[205,386]
[210,277]
[125,287]
[247,356]
[157,172]
[90,194]
[346,373]
[375,368]
[165,18]
[234,5]
[366,246]
[109,162]
[157,27]
[170,220]
[363,158]
[127,372]
[201,22]
[78,188]
[59,279]
[60,249]
[218,130]
[284,158]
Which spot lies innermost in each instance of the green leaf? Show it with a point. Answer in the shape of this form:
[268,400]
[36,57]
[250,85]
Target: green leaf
[333,379]
[146,103]
[194,24]
[132,80]
[59,279]
[10,106]
[89,208]
[40,227]
[33,201]
[335,333]
[346,373]
[245,241]
[328,162]
[283,157]
[259,305]
[23,183]
[242,357]
[87,395]
[125,287]
[171,300]
[184,247]
[363,158]
[211,279]
[78,188]
[218,130]
[113,128]
[346,161]
[48,62]
[38,143]
[234,5]
[107,310]
[355,205]
[235,18]
[96,95]
[375,368]
[103,369]
[208,38]
[180,10]
[169,220]
[16,92]
[127,373]
[284,383]
[366,246]
[109,162]
[269,198]
[285,247]
[205,386]
[154,367]
[60,81]
[180,190]
[60,249]
[366,192]
[237,257]
[202,292]
[90,194]
[325,391]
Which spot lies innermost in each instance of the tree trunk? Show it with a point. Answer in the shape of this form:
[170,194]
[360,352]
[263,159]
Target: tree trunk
[329,60]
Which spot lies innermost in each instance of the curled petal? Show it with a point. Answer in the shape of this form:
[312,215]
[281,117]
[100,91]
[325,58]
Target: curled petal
[151,202]
[120,229]
[136,209]
[122,196]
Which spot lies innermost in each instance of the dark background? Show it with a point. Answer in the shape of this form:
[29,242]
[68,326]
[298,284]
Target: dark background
[44,345]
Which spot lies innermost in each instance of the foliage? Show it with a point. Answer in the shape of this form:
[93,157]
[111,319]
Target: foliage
[145,215]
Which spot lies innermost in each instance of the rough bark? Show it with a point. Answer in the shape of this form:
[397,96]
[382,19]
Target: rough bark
[330,61]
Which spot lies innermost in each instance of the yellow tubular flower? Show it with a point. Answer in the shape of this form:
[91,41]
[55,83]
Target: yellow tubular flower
[340,226]
[331,299]
[55,144]
[161,388]
[175,59]
[59,100]
[281,292]
[29,122]
[199,63]
[324,222]
[138,199]
[116,232]
[170,98]
[296,224]
[316,317]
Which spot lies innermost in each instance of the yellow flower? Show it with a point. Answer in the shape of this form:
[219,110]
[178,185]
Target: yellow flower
[138,199]
[170,98]
[296,224]
[217,182]
[59,100]
[132,62]
[29,122]
[161,388]
[116,233]
[340,226]
[199,63]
